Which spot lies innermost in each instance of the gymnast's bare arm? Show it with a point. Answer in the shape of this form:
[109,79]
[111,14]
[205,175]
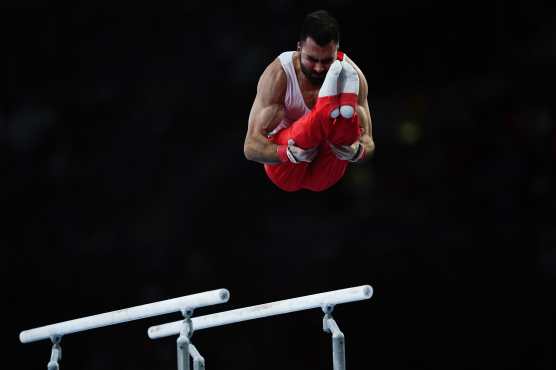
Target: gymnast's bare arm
[364,114]
[266,113]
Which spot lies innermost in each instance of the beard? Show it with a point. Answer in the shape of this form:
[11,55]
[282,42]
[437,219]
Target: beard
[314,78]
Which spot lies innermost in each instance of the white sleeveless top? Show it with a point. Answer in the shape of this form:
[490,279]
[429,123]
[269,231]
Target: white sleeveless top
[294,104]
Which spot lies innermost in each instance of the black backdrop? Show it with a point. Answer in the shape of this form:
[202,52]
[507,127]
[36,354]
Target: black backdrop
[124,182]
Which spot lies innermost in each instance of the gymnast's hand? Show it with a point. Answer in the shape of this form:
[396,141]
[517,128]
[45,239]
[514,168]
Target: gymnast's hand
[297,155]
[350,153]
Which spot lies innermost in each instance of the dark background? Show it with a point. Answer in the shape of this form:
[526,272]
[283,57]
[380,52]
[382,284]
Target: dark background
[124,183]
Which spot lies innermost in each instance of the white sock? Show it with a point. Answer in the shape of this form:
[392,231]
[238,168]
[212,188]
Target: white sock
[349,80]
[348,83]
[330,85]
[346,111]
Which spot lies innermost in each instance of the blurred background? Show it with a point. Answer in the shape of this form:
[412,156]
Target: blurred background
[124,182]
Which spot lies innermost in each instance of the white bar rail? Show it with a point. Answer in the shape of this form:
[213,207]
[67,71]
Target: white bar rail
[264,310]
[128,314]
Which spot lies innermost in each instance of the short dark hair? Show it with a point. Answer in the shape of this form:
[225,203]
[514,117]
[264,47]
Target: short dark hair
[321,27]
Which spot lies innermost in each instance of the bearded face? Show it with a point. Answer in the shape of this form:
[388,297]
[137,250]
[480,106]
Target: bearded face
[315,59]
[316,78]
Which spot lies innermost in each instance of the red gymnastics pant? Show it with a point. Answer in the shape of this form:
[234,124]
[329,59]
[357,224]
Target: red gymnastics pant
[315,129]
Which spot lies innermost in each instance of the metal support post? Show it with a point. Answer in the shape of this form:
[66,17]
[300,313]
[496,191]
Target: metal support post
[55,354]
[183,340]
[198,360]
[338,344]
